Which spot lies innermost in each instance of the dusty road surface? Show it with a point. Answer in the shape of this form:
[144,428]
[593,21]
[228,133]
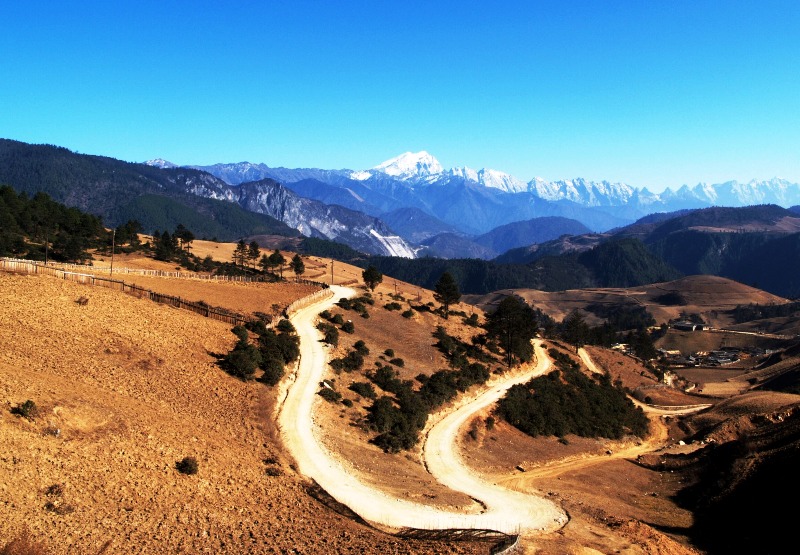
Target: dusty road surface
[504,510]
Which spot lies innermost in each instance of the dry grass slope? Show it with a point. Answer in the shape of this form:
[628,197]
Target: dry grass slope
[125,388]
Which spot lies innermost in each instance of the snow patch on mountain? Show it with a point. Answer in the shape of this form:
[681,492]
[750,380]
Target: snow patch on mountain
[362,175]
[581,191]
[394,245]
[411,165]
[491,178]
[161,163]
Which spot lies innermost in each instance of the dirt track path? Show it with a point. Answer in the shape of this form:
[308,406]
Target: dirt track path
[657,439]
[505,510]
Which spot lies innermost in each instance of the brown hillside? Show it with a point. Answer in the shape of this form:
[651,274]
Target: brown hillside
[708,296]
[125,388]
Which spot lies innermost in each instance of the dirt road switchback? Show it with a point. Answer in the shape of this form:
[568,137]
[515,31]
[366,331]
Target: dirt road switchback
[504,510]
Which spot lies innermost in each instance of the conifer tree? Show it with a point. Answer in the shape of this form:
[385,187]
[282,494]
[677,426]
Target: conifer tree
[446,292]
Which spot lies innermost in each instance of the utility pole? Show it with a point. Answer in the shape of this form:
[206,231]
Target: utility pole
[113,239]
[331,272]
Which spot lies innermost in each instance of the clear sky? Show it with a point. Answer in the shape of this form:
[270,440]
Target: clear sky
[653,93]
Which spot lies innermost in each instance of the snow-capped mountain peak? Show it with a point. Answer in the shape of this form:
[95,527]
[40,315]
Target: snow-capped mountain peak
[411,165]
[161,163]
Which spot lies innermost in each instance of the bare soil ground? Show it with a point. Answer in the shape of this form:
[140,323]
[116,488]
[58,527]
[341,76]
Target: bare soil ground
[131,387]
[125,388]
[708,296]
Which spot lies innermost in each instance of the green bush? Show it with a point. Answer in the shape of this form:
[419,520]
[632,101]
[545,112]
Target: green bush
[353,361]
[330,333]
[240,332]
[330,395]
[364,389]
[28,409]
[389,352]
[397,362]
[187,465]
[392,306]
[407,313]
[361,347]
[285,326]
[273,371]
[338,319]
[242,361]
[348,327]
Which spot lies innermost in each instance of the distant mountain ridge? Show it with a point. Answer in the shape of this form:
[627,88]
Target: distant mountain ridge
[162,195]
[476,201]
[422,167]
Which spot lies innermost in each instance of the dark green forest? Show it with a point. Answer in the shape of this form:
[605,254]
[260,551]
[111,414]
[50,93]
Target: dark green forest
[37,228]
[566,401]
[120,191]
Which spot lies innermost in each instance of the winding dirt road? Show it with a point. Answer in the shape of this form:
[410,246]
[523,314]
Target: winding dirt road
[503,510]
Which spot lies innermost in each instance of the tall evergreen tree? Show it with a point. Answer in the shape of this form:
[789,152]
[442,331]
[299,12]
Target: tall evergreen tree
[277,260]
[240,253]
[446,292]
[253,253]
[513,324]
[372,277]
[297,265]
[574,329]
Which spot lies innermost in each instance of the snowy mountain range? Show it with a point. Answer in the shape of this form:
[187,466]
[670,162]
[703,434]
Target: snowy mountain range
[473,202]
[422,169]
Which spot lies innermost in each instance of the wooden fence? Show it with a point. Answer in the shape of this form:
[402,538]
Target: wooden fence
[308,300]
[86,269]
[30,267]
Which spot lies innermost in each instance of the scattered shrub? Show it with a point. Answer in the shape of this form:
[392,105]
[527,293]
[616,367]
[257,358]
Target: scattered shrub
[56,490]
[240,332]
[490,422]
[273,371]
[361,347]
[352,361]
[389,352]
[242,361]
[392,306]
[364,389]
[330,333]
[273,471]
[338,319]
[348,327]
[28,410]
[397,362]
[330,395]
[347,402]
[187,465]
[285,326]
[408,313]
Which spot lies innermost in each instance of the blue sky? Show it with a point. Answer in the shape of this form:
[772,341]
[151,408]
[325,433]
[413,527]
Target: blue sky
[652,93]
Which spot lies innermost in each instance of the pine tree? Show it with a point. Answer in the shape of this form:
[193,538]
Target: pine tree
[372,277]
[253,253]
[446,292]
[277,260]
[297,265]
[240,253]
